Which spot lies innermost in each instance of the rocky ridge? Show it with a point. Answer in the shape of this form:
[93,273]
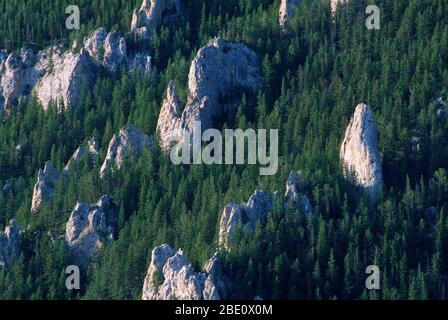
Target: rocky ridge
[171,277]
[219,74]
[89,228]
[246,216]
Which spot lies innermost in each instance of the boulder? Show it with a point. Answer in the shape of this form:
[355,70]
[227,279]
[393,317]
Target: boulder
[9,244]
[244,216]
[43,189]
[89,228]
[359,151]
[171,277]
[65,79]
[219,75]
[151,15]
[130,141]
[287,10]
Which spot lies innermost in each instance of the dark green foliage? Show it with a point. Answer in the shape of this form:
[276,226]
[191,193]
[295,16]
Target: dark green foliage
[314,76]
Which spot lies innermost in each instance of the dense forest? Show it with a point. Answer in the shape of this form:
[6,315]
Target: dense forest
[315,74]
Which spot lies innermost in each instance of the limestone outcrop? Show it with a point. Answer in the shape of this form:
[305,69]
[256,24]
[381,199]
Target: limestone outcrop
[18,75]
[89,228]
[244,216]
[171,277]
[43,189]
[219,75]
[91,149]
[151,15]
[107,49]
[359,151]
[130,141]
[9,244]
[287,10]
[65,79]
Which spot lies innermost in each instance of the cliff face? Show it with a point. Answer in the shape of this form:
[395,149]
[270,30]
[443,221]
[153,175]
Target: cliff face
[171,277]
[65,79]
[89,228]
[359,151]
[219,74]
[9,244]
[130,141]
[246,216]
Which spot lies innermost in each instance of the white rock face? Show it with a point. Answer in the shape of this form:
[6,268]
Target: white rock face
[151,15]
[9,244]
[219,74]
[130,141]
[91,149]
[244,216]
[106,49]
[64,81]
[359,151]
[18,76]
[295,193]
[43,189]
[89,228]
[287,10]
[171,277]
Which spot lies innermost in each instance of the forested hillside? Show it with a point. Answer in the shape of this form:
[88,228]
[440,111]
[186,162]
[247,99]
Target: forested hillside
[315,73]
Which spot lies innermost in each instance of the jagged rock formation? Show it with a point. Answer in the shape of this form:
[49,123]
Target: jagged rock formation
[65,79]
[295,193]
[151,15]
[130,141]
[57,76]
[91,149]
[170,276]
[244,216]
[219,74]
[18,76]
[9,244]
[359,151]
[43,189]
[287,10]
[89,228]
[107,49]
